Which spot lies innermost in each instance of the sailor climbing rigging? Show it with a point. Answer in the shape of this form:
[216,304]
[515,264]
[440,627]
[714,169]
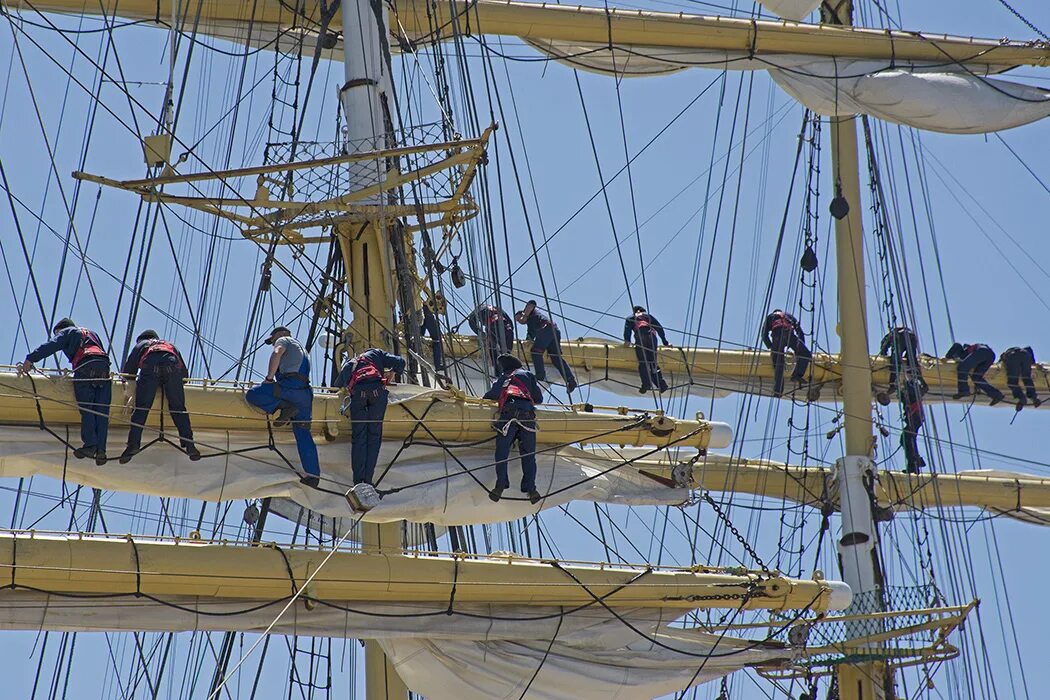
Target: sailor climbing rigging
[157,363]
[781,332]
[974,360]
[901,345]
[286,391]
[365,378]
[429,323]
[517,392]
[545,337]
[645,329]
[1018,364]
[493,326]
[92,387]
[911,407]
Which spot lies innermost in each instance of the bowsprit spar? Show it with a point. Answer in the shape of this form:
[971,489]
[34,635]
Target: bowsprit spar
[491,153]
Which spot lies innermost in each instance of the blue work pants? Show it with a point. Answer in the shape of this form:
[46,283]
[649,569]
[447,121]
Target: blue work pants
[93,390]
[367,409]
[974,366]
[270,396]
[516,425]
[548,339]
[164,373]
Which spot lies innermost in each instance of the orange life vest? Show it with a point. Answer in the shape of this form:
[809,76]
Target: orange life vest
[158,346]
[90,348]
[364,371]
[514,388]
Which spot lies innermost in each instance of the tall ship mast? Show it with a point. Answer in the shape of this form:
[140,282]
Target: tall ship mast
[664,550]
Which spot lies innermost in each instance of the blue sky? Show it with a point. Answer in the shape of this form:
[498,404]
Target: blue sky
[980,228]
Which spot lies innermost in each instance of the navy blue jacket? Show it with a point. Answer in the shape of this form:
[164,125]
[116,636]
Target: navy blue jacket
[535,322]
[131,365]
[67,340]
[525,376]
[629,328]
[767,329]
[479,319]
[381,359]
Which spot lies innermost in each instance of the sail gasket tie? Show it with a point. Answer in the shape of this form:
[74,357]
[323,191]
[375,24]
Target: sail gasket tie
[138,566]
[14,561]
[287,565]
[455,580]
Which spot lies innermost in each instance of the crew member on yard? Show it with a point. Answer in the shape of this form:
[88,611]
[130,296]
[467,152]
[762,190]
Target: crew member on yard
[493,326]
[901,345]
[92,387]
[287,392]
[645,329]
[783,332]
[911,405]
[545,337]
[365,378]
[517,392]
[974,360]
[157,363]
[1018,364]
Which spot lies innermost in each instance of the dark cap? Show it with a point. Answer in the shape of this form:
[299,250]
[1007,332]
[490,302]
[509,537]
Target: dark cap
[148,334]
[508,363]
[639,309]
[274,332]
[63,324]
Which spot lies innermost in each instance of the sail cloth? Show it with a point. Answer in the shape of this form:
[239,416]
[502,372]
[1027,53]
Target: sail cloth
[427,483]
[949,98]
[790,9]
[478,651]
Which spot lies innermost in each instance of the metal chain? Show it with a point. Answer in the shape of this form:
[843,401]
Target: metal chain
[1024,19]
[736,533]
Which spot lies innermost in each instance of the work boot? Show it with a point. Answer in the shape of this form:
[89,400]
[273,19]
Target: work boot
[100,458]
[534,497]
[285,414]
[192,452]
[960,395]
[644,389]
[570,386]
[663,386]
[1021,401]
[995,400]
[84,452]
[129,452]
[495,494]
[308,480]
[1037,403]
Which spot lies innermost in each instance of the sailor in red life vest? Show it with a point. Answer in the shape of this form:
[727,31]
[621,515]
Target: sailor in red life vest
[545,337]
[517,392]
[974,361]
[365,378]
[645,329]
[783,332]
[91,383]
[911,405]
[494,327]
[157,363]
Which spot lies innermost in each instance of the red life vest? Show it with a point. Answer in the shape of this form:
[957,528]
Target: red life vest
[364,371]
[514,388]
[781,321]
[158,346]
[90,348]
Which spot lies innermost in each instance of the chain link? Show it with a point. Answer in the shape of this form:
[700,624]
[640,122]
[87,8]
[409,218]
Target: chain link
[736,533]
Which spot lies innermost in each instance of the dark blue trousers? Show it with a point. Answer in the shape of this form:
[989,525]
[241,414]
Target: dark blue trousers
[548,340]
[648,369]
[974,366]
[523,434]
[269,398]
[785,339]
[93,391]
[367,409]
[149,380]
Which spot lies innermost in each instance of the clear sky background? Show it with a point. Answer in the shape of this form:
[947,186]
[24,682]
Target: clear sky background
[975,246]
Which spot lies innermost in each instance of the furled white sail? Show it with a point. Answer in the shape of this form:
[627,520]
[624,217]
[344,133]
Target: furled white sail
[478,651]
[790,9]
[948,98]
[427,483]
